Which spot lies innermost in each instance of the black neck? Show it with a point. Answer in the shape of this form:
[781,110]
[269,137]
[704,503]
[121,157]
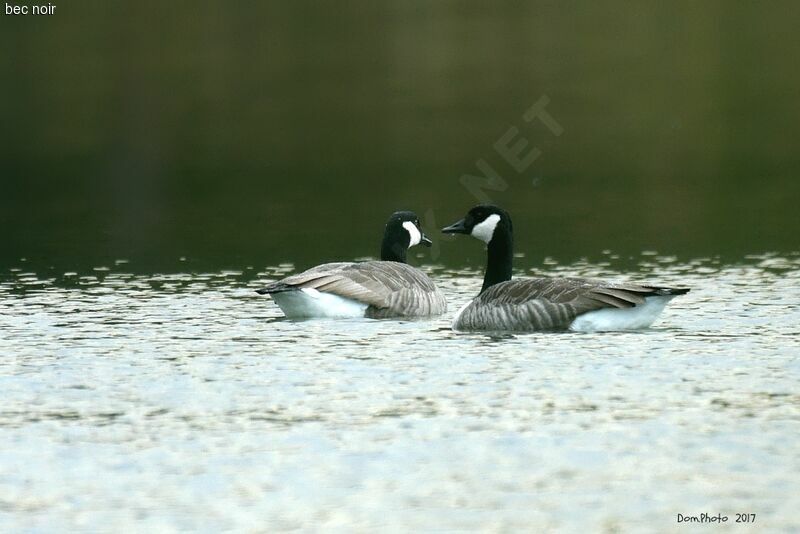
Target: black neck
[393,248]
[499,258]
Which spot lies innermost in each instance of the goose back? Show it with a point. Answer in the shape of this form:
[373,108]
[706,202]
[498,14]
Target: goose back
[390,289]
[548,304]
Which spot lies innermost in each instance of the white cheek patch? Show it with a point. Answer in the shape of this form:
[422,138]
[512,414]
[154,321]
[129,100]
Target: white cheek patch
[485,230]
[413,232]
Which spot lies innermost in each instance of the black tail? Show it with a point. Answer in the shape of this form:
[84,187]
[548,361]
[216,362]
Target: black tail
[276,287]
[669,290]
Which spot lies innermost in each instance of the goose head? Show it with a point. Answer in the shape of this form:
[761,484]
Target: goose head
[402,232]
[482,222]
[491,225]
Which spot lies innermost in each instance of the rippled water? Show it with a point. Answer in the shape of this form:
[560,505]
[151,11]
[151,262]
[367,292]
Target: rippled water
[184,401]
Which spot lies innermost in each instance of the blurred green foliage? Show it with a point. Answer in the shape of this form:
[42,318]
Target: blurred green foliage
[251,133]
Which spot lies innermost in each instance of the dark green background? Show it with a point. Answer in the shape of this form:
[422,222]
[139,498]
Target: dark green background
[252,132]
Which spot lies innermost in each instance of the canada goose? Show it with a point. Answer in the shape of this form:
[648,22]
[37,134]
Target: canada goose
[375,289]
[530,304]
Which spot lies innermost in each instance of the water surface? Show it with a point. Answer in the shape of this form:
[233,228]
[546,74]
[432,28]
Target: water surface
[184,401]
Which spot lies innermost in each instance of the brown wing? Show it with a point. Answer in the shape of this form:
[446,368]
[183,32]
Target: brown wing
[389,288]
[548,303]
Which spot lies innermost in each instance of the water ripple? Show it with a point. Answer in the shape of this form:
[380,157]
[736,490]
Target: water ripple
[186,401]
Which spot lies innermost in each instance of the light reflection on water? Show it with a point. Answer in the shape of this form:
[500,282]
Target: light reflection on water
[185,401]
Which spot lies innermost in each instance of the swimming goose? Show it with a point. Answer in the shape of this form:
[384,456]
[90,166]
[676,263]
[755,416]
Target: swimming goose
[375,289]
[531,304]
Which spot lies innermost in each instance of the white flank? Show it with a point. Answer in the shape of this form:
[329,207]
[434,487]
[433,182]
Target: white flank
[485,230]
[609,319]
[413,232]
[307,303]
[459,312]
